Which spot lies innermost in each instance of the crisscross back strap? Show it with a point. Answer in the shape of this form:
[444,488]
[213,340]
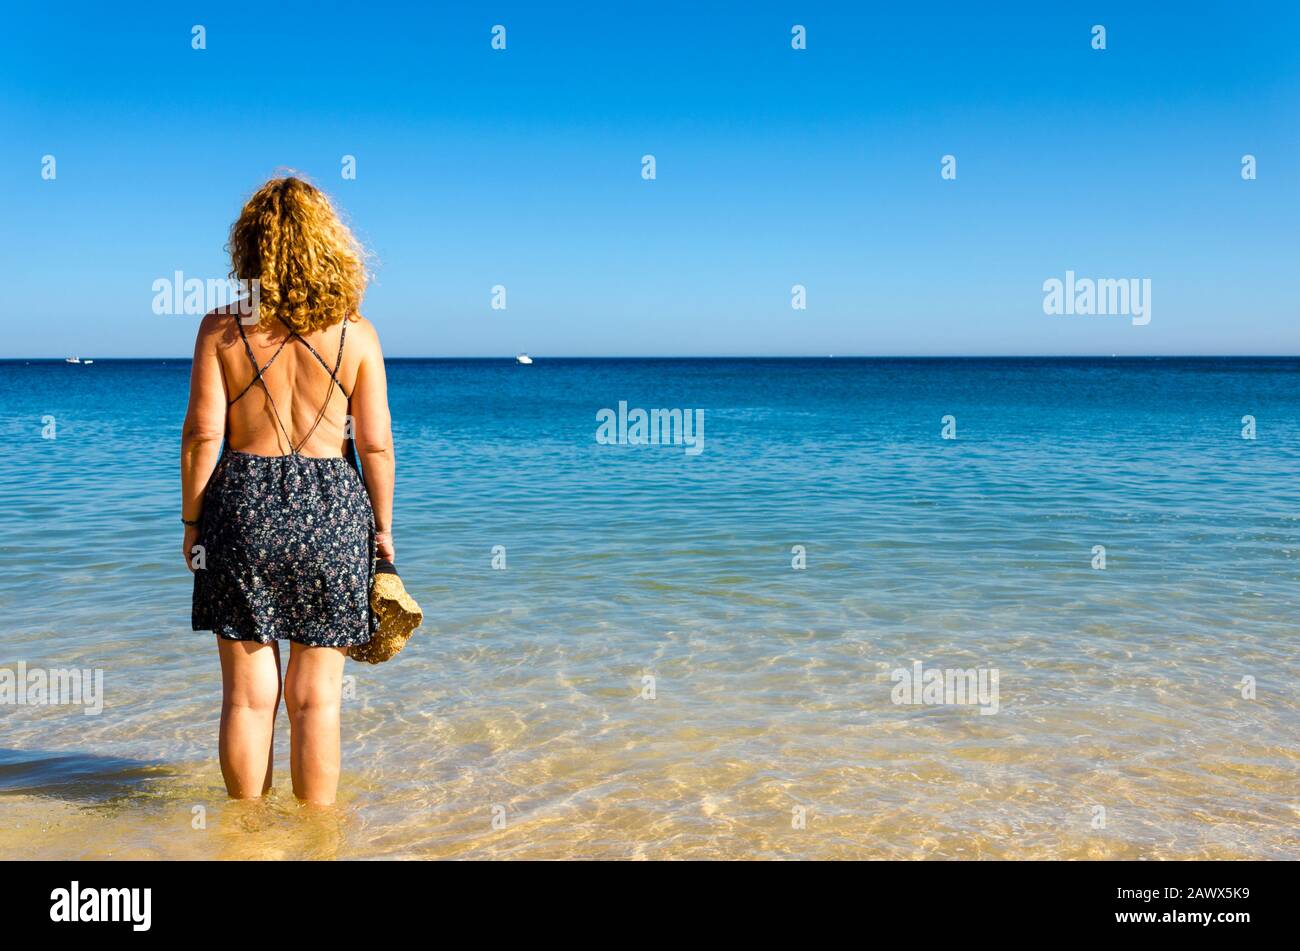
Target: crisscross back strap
[334,375]
[257,378]
[259,370]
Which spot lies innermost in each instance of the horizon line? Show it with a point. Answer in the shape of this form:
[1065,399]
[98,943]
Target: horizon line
[769,356]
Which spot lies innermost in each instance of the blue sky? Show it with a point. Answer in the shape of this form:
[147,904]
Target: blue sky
[774,167]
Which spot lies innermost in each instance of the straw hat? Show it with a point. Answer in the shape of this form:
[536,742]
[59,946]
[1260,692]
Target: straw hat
[398,615]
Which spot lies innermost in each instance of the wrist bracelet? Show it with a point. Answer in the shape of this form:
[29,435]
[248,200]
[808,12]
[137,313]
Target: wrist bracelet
[186,521]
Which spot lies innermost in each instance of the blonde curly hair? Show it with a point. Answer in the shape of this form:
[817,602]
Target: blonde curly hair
[310,268]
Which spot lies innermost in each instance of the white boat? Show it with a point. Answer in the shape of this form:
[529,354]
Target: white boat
[524,358]
[72,359]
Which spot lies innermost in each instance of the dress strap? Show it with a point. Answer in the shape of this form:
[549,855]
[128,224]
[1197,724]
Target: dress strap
[257,371]
[257,378]
[334,375]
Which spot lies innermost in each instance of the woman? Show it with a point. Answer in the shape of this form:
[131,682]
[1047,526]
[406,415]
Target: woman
[280,532]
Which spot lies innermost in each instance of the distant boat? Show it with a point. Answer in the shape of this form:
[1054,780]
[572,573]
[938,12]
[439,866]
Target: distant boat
[524,358]
[72,359]
[87,362]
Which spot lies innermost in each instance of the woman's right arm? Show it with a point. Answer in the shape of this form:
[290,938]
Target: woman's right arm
[373,431]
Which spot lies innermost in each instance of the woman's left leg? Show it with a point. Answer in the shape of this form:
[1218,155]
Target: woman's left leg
[250,697]
[313,687]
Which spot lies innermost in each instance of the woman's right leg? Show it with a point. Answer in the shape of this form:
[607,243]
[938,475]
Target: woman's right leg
[313,687]
[250,687]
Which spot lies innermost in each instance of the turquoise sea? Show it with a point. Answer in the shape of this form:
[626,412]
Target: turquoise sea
[697,655]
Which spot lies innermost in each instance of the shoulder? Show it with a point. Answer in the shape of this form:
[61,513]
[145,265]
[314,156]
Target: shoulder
[219,327]
[363,332]
[222,318]
[215,319]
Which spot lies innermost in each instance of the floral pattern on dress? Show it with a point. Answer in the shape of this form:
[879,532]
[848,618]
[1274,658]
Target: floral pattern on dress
[289,550]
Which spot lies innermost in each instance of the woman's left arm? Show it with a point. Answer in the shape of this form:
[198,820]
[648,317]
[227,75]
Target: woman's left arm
[205,428]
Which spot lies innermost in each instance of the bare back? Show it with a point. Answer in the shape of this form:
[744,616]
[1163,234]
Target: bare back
[268,392]
[294,382]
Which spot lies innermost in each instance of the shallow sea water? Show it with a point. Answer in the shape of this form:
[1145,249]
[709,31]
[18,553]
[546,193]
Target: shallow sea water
[522,698]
